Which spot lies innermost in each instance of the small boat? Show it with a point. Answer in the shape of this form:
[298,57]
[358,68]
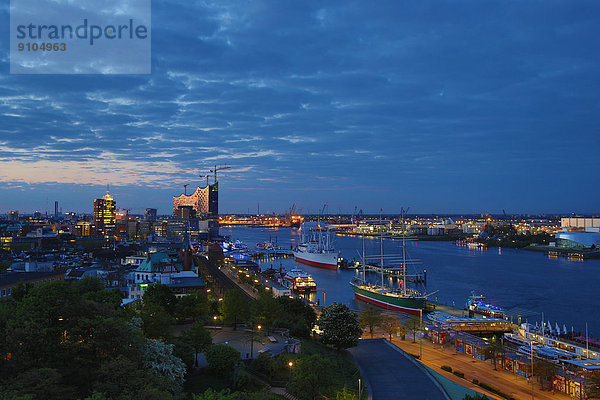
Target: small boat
[475,245]
[265,246]
[345,264]
[237,246]
[299,281]
[476,303]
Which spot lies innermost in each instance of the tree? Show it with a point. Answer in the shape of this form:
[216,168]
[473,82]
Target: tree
[340,326]
[493,349]
[193,306]
[97,396]
[185,351]
[83,346]
[42,383]
[158,357]
[123,378]
[89,284]
[156,322]
[311,377]
[212,394]
[267,310]
[235,307]
[222,358]
[370,317]
[391,325]
[112,297]
[346,394]
[160,295]
[198,337]
[19,291]
[226,394]
[297,316]
[412,326]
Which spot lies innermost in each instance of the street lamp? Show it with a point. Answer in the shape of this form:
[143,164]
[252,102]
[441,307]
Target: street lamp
[252,340]
[290,364]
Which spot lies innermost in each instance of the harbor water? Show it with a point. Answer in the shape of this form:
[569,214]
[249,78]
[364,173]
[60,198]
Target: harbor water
[522,282]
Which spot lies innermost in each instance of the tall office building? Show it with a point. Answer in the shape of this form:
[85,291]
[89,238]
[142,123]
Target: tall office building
[203,203]
[105,213]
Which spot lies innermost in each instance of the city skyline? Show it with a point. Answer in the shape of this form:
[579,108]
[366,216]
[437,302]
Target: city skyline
[446,108]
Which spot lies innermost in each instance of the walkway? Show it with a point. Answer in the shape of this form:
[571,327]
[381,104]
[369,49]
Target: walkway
[435,357]
[392,375]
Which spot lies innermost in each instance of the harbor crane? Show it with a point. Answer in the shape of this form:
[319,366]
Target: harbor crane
[219,168]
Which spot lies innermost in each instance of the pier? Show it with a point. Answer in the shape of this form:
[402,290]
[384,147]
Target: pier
[270,253]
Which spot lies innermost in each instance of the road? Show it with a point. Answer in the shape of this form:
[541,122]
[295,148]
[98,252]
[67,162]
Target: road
[391,375]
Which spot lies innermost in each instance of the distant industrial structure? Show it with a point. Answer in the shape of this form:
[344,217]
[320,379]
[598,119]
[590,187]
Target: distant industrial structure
[579,233]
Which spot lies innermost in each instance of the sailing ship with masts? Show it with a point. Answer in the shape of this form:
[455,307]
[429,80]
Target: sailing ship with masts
[403,299]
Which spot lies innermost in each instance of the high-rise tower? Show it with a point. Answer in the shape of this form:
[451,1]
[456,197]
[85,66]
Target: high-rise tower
[105,213]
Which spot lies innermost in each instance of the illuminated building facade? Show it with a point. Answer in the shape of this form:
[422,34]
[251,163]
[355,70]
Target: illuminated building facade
[203,203]
[105,213]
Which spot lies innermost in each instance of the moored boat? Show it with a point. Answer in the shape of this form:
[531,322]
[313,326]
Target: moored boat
[409,301]
[300,281]
[403,299]
[318,252]
[476,303]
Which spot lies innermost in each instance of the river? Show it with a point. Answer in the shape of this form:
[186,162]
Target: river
[565,290]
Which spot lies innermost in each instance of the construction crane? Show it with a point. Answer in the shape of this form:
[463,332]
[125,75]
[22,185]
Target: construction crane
[323,210]
[185,188]
[219,168]
[205,176]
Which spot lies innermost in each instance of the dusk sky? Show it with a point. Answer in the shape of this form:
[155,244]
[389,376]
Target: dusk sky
[444,106]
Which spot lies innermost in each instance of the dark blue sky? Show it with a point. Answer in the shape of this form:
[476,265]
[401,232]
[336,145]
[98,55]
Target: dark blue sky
[444,106]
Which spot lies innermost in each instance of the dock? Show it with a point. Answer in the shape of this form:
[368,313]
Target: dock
[270,253]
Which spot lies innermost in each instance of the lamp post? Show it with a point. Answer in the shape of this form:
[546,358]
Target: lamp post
[359,389]
[252,340]
[290,364]
[421,329]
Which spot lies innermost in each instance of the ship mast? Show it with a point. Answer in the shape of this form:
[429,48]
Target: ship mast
[381,245]
[363,259]
[402,211]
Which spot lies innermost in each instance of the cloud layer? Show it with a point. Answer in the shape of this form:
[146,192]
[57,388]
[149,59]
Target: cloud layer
[457,107]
